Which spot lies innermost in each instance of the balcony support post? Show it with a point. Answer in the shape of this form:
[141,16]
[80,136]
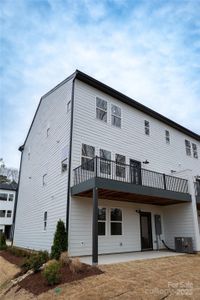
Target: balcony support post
[164,181]
[95,227]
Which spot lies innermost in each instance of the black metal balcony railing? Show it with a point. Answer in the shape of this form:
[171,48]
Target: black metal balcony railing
[100,167]
[197,188]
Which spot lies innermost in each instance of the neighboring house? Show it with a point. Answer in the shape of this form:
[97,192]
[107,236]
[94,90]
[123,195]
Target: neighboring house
[111,168]
[7,204]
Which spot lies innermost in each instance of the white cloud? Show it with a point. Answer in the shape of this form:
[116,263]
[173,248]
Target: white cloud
[151,55]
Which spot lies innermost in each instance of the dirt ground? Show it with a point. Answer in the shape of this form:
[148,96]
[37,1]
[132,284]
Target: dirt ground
[175,277]
[7,271]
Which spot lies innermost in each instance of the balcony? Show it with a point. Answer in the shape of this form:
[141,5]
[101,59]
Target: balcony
[124,182]
[197,192]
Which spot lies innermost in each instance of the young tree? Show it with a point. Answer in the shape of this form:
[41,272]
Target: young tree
[60,243]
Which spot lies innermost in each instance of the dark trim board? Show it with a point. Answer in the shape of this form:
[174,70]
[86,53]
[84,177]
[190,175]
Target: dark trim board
[122,191]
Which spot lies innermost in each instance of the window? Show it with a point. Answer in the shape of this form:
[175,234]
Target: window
[44,180]
[101,221]
[9,213]
[45,220]
[120,165]
[64,158]
[146,127]
[101,109]
[116,115]
[167,137]
[3,196]
[88,152]
[68,106]
[11,197]
[194,149]
[116,221]
[105,162]
[188,147]
[2,213]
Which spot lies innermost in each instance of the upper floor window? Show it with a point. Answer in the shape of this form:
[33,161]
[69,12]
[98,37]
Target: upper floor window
[101,221]
[194,149]
[167,137]
[116,115]
[9,213]
[11,197]
[3,196]
[146,127]
[116,221]
[45,220]
[88,152]
[120,165]
[188,147]
[64,159]
[101,109]
[2,213]
[105,162]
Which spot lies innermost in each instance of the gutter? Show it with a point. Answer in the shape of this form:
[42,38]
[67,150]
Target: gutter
[70,158]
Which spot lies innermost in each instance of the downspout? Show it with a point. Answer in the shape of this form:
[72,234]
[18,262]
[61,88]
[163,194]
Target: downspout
[70,158]
[21,148]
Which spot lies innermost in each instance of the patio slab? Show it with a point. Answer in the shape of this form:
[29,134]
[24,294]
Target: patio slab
[105,259]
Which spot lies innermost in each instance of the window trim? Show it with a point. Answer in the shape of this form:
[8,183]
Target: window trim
[45,217]
[6,197]
[147,127]
[122,165]
[188,148]
[87,157]
[106,111]
[195,151]
[110,221]
[167,137]
[113,115]
[104,221]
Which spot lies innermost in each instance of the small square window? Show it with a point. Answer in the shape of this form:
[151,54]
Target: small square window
[64,165]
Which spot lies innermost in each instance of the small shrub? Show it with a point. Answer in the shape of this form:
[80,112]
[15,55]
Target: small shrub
[35,261]
[51,272]
[3,245]
[75,266]
[60,241]
[64,259]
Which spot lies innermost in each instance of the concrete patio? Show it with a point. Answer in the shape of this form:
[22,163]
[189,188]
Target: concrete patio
[105,259]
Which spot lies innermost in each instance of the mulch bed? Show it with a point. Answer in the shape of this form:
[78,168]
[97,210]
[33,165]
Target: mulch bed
[36,284]
[12,258]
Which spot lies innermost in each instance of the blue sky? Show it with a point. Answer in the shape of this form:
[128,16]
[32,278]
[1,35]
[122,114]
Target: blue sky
[149,50]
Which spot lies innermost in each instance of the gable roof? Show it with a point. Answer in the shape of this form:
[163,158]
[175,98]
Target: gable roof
[123,98]
[118,95]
